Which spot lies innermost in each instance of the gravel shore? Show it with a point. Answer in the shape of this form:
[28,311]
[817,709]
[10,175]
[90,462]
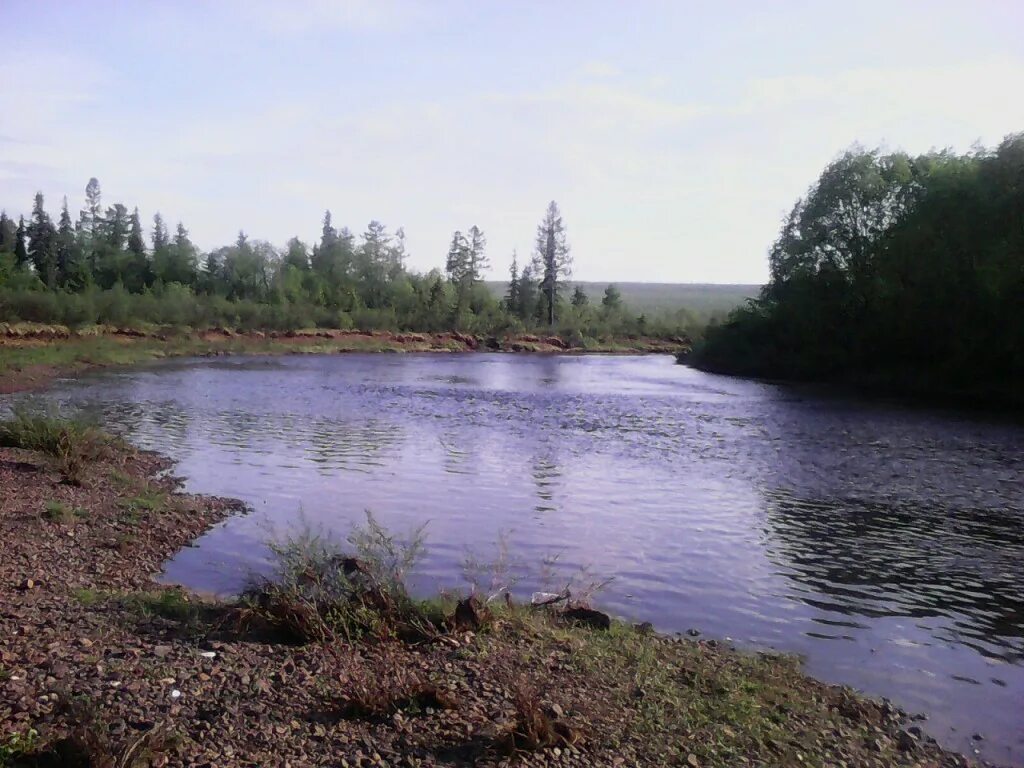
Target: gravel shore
[101,666]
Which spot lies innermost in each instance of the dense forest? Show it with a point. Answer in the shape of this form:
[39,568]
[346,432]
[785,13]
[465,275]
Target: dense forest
[903,273]
[99,268]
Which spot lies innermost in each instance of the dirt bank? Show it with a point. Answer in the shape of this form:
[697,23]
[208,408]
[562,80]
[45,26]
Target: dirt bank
[97,659]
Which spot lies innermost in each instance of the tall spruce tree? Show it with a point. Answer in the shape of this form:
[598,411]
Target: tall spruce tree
[8,233]
[551,257]
[20,248]
[512,294]
[478,261]
[42,244]
[68,267]
[139,274]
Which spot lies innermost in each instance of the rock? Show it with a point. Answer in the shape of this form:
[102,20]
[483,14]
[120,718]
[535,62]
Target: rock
[906,741]
[161,651]
[977,737]
[692,761]
[588,617]
[693,632]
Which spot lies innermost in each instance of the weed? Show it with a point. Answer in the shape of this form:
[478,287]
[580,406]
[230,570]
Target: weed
[89,743]
[383,685]
[87,596]
[171,603]
[320,593]
[72,443]
[17,746]
[534,726]
[58,512]
[491,579]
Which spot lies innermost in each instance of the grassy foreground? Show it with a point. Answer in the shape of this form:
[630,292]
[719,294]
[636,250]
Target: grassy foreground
[31,355]
[330,661]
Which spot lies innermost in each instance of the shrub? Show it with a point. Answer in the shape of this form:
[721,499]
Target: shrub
[319,592]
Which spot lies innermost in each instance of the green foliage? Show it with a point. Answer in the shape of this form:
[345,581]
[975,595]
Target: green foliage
[894,271]
[100,271]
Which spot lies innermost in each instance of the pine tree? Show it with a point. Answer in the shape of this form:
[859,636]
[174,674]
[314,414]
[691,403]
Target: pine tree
[90,221]
[8,233]
[512,297]
[20,251]
[551,257]
[139,273]
[457,264]
[612,300]
[68,267]
[478,261]
[42,244]
[182,264]
[579,297]
[528,303]
[160,237]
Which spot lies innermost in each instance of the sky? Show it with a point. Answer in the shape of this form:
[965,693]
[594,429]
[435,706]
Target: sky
[673,135]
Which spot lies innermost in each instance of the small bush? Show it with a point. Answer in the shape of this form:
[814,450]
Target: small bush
[319,592]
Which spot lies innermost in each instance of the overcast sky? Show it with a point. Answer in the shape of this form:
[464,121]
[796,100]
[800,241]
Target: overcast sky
[674,135]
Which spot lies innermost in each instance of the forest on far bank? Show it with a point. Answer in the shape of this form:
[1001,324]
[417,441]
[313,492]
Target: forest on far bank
[900,273]
[100,268]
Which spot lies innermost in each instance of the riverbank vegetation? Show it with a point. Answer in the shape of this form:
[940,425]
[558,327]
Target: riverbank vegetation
[101,666]
[902,273]
[100,269]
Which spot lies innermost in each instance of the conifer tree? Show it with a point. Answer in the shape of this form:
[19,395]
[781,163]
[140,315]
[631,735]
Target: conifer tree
[512,301]
[42,244]
[478,261]
[8,233]
[68,267]
[551,257]
[20,249]
[139,273]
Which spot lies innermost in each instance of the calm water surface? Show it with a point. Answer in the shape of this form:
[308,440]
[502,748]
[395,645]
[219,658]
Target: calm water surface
[886,545]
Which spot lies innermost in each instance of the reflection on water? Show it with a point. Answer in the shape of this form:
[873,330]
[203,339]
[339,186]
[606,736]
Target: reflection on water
[883,544]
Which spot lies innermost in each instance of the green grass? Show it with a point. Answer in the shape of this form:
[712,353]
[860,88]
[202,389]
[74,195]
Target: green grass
[72,443]
[58,512]
[87,596]
[166,603]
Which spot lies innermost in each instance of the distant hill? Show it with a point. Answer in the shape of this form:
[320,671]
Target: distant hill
[700,298]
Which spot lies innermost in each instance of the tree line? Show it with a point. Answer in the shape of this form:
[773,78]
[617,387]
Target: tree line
[99,267]
[901,272]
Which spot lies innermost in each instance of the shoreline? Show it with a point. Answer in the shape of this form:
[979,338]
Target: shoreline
[88,640]
[32,355]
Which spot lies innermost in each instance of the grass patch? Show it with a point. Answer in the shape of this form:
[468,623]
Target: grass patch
[72,443]
[87,596]
[174,604]
[58,512]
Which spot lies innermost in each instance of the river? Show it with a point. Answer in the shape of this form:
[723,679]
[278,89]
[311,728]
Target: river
[884,544]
